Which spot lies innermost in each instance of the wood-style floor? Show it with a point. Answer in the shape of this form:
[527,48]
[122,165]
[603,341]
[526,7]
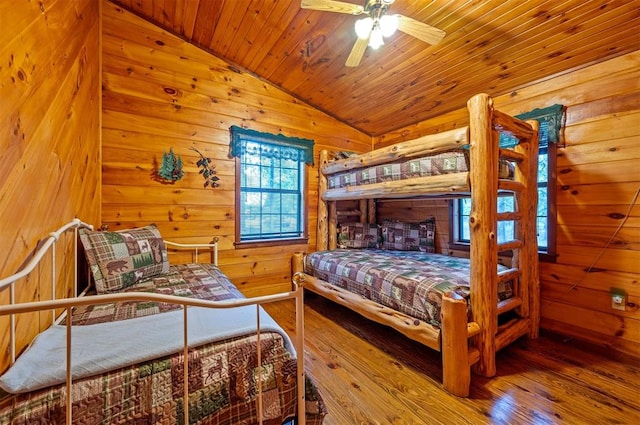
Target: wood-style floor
[369,374]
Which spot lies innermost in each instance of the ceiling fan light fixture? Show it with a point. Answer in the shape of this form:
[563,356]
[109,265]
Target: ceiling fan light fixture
[388,25]
[363,27]
[376,40]
[376,25]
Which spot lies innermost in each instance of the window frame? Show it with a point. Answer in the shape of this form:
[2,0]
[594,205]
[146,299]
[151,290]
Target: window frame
[265,138]
[551,253]
[548,255]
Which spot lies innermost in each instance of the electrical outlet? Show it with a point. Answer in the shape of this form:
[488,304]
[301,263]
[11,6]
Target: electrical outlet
[618,299]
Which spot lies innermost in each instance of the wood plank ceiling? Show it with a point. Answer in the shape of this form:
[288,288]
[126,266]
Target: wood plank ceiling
[494,46]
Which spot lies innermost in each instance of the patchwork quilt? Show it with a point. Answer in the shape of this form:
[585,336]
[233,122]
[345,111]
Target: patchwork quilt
[407,281]
[454,161]
[223,376]
[198,280]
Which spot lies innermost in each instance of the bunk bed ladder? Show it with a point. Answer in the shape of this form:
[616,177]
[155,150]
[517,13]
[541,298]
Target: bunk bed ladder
[524,246]
[485,154]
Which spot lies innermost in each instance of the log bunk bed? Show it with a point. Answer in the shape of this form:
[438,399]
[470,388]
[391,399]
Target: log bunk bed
[120,353]
[467,341]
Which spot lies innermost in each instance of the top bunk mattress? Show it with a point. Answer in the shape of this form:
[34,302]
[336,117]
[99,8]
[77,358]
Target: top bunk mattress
[454,161]
[407,281]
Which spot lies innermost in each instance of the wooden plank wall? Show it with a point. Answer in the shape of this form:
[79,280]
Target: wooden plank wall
[598,180]
[160,92]
[49,139]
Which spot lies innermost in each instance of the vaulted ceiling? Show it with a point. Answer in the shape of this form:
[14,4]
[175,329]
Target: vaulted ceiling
[492,46]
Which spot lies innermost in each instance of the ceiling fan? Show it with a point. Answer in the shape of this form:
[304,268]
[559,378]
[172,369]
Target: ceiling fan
[377,25]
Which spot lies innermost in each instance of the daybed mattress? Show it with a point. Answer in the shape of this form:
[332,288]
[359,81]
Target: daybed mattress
[454,161]
[222,383]
[407,281]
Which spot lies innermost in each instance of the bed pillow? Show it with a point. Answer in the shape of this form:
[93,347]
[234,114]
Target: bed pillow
[358,235]
[427,241]
[400,236]
[119,259]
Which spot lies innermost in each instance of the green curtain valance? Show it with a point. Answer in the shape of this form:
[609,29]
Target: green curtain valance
[550,119]
[270,145]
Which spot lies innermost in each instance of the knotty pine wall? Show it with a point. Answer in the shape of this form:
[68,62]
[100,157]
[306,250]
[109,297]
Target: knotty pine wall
[598,178]
[49,140]
[161,92]
[415,211]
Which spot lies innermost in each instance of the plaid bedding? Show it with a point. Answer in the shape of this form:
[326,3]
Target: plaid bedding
[223,378]
[201,280]
[407,281]
[454,161]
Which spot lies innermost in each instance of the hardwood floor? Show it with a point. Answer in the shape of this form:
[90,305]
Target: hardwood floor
[369,374]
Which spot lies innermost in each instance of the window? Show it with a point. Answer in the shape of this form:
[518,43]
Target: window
[270,187]
[550,122]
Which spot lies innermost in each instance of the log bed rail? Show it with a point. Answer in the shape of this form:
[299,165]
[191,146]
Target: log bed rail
[472,345]
[48,245]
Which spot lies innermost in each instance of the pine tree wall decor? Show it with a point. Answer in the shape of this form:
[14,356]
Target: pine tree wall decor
[171,167]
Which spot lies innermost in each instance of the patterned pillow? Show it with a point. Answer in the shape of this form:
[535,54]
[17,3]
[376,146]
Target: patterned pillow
[401,236]
[119,259]
[358,235]
[427,241]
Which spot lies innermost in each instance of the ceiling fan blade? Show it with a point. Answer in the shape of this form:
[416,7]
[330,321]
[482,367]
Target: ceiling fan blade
[420,30]
[357,52]
[332,6]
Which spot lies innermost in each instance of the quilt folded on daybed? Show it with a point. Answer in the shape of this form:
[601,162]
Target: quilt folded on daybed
[223,374]
[138,340]
[407,281]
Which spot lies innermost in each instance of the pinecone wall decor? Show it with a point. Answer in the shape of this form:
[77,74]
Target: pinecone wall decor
[207,170]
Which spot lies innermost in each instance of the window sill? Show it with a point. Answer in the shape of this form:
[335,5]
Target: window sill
[270,242]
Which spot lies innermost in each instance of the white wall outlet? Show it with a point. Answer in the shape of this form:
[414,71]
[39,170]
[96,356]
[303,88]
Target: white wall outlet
[618,299]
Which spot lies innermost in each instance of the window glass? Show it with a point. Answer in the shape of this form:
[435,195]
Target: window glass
[271,198]
[506,229]
[550,120]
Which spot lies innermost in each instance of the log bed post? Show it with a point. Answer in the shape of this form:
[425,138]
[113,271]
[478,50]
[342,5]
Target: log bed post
[297,263]
[371,211]
[483,227]
[364,211]
[456,368]
[530,249]
[323,219]
[332,236]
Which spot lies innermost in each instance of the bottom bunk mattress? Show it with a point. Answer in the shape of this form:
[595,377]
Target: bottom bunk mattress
[224,376]
[407,281]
